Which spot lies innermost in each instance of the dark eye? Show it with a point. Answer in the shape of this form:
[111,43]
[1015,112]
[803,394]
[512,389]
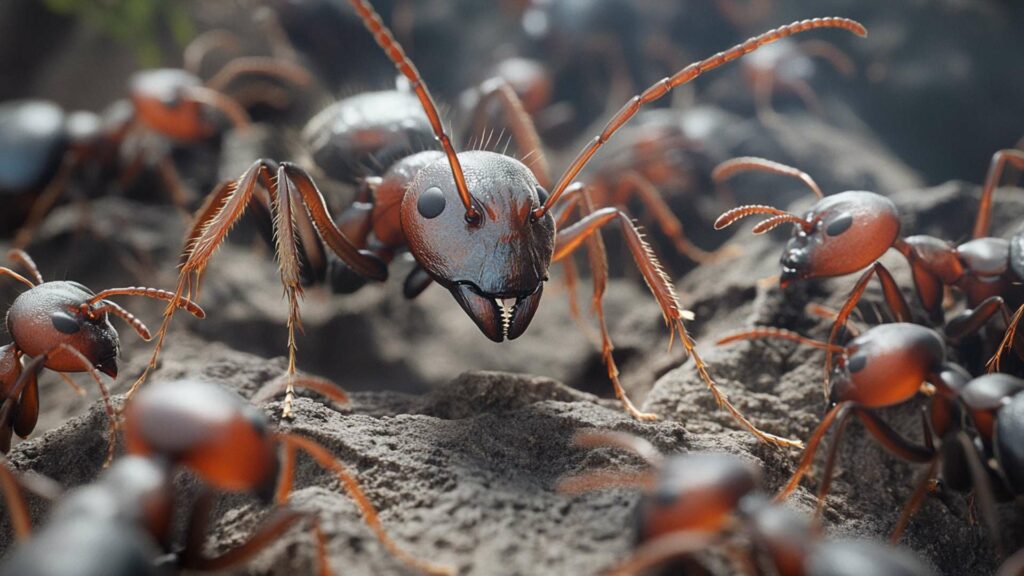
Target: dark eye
[839,224]
[431,203]
[857,362]
[542,194]
[65,323]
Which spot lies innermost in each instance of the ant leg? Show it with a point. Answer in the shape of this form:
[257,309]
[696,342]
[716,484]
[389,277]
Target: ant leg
[46,200]
[980,481]
[524,133]
[1009,339]
[172,183]
[329,462]
[922,257]
[632,183]
[831,53]
[971,321]
[21,258]
[1013,566]
[839,412]
[664,292]
[26,413]
[621,440]
[893,298]
[18,509]
[201,46]
[764,90]
[12,274]
[663,549]
[892,440]
[995,175]
[808,96]
[277,68]
[321,386]
[416,282]
[830,465]
[8,410]
[915,500]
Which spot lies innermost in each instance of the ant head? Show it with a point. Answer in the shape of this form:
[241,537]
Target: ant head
[887,364]
[697,491]
[841,234]
[985,395]
[210,430]
[169,101]
[43,318]
[503,254]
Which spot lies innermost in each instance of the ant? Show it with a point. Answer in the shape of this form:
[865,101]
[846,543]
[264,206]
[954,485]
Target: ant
[174,104]
[68,325]
[119,524]
[890,364]
[850,231]
[693,501]
[494,245]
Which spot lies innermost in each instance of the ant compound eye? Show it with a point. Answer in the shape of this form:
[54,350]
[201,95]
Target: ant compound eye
[857,362]
[542,194]
[65,323]
[839,224]
[431,203]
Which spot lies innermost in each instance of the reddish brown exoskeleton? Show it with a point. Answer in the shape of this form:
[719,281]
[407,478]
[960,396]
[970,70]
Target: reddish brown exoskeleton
[121,524]
[480,224]
[67,326]
[847,232]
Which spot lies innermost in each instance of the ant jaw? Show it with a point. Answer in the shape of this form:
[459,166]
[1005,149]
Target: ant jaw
[108,367]
[498,321]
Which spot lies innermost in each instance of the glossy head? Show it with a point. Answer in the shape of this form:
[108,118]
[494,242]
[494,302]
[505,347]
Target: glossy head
[165,100]
[1009,443]
[212,431]
[32,139]
[364,135]
[887,364]
[847,232]
[696,492]
[43,318]
[985,395]
[503,256]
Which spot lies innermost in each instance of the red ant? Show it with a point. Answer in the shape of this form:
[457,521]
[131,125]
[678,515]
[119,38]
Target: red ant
[496,244]
[850,231]
[174,104]
[694,501]
[889,365]
[68,325]
[119,524]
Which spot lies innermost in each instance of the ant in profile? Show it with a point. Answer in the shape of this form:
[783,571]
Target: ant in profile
[850,231]
[693,501]
[120,524]
[494,243]
[50,148]
[68,325]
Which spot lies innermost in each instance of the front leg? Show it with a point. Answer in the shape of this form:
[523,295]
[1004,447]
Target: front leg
[664,292]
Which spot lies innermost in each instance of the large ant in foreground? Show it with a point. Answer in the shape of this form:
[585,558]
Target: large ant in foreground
[850,231]
[493,244]
[694,501]
[120,524]
[68,325]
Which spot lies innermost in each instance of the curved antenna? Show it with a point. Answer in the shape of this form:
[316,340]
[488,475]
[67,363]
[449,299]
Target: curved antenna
[153,293]
[22,258]
[995,175]
[665,85]
[138,325]
[729,168]
[394,51]
[201,46]
[778,217]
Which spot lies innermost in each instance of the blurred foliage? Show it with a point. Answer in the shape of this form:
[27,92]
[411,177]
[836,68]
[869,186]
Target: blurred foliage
[137,24]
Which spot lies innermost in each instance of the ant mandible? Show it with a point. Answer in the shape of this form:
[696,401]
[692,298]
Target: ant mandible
[850,231]
[119,524]
[694,501]
[496,244]
[68,325]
